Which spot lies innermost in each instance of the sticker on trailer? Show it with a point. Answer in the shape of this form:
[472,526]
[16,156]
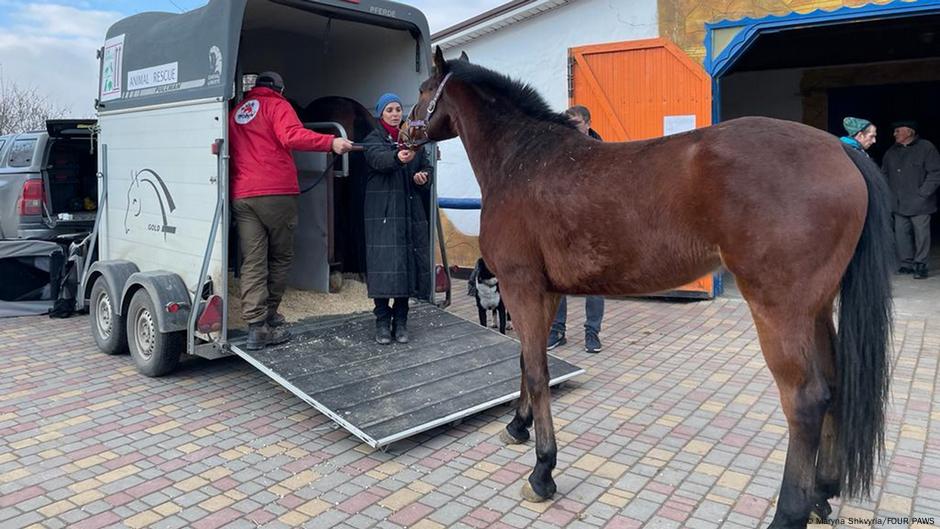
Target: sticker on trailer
[215,66]
[247,112]
[164,89]
[677,124]
[112,63]
[154,76]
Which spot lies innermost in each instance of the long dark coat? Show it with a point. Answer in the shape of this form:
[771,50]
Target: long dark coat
[913,172]
[398,254]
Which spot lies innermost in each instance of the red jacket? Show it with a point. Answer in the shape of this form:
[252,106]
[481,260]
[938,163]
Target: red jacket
[263,130]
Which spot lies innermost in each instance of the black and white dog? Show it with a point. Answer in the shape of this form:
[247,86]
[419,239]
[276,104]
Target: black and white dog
[485,288]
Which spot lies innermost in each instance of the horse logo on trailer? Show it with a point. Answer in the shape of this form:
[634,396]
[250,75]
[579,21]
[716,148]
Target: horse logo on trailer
[143,182]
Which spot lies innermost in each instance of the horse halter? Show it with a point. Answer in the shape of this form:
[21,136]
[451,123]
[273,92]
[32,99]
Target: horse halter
[422,124]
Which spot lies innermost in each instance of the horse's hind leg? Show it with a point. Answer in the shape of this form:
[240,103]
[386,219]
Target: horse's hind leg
[828,471]
[787,341]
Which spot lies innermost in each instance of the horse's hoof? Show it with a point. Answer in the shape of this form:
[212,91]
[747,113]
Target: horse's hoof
[508,439]
[528,494]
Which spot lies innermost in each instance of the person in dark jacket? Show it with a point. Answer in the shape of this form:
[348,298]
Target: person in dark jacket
[861,133]
[263,130]
[580,117]
[396,223]
[912,167]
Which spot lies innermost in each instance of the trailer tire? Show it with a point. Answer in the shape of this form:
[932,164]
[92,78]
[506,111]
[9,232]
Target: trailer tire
[155,353]
[107,326]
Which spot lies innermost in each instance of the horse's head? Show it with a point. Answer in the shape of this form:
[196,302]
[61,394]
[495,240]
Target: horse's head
[432,116]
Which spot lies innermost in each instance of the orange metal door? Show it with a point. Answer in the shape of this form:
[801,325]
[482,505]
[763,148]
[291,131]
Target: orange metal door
[636,90]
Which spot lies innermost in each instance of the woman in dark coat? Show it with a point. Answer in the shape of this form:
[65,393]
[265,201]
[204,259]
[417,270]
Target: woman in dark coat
[396,224]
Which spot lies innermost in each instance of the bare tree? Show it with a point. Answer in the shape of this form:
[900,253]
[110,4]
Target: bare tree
[25,109]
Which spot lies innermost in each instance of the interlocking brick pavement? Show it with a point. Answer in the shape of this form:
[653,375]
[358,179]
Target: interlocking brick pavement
[675,424]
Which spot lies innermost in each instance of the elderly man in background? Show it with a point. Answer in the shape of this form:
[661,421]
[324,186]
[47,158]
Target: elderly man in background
[912,167]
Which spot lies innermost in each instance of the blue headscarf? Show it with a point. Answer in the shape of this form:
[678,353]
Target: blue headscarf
[852,142]
[384,100]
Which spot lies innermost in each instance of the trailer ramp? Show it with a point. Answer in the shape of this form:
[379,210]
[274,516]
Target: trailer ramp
[452,368]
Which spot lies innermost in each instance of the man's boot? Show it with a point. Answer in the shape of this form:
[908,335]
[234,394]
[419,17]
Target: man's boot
[400,328]
[920,270]
[280,335]
[383,332]
[276,319]
[258,336]
[261,336]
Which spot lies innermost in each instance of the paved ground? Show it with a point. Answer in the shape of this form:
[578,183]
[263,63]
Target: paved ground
[676,424]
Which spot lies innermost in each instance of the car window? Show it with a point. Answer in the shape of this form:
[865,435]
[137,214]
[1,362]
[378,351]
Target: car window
[3,142]
[21,153]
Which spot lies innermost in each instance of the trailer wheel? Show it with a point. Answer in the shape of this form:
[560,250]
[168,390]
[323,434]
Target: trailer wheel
[155,353]
[107,326]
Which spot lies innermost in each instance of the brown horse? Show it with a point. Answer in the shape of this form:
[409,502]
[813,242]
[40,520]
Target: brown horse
[793,215]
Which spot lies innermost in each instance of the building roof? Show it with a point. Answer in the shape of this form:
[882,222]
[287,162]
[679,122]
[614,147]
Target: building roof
[489,21]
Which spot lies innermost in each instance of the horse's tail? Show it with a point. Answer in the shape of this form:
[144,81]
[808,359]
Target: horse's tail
[862,356]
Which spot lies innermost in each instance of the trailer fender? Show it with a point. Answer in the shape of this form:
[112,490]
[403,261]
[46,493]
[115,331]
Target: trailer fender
[164,288]
[115,274]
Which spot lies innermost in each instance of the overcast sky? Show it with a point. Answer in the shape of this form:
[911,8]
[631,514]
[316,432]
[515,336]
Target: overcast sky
[50,44]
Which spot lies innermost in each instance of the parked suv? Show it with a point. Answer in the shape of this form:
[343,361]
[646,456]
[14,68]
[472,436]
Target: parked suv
[48,181]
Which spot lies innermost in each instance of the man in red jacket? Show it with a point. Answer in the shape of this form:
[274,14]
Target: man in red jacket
[263,130]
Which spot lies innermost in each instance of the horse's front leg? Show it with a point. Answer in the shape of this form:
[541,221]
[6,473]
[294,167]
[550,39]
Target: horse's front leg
[517,431]
[541,486]
[533,311]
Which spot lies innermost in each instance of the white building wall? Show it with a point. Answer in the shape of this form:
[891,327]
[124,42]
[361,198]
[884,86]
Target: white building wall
[536,51]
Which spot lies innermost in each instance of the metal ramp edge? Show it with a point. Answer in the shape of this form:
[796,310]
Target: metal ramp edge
[246,356]
[469,411]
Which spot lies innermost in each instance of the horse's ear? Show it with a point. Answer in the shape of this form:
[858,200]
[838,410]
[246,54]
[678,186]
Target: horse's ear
[440,65]
[464,57]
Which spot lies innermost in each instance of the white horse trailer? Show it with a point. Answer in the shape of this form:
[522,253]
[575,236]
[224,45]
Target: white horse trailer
[159,287]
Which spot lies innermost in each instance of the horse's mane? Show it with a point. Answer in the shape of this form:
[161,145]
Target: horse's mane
[520,95]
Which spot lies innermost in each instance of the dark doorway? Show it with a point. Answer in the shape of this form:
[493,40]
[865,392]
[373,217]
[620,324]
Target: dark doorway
[885,104]
[880,69]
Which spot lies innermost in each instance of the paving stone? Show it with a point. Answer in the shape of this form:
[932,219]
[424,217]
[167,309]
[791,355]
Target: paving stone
[450,513]
[172,522]
[696,376]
